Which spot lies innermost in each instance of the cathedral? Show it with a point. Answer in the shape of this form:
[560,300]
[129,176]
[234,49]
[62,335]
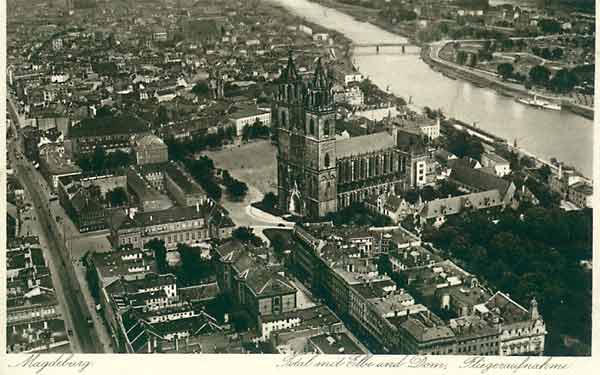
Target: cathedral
[317,174]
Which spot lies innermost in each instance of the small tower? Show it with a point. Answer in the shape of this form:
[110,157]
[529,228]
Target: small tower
[216,85]
[560,171]
[533,310]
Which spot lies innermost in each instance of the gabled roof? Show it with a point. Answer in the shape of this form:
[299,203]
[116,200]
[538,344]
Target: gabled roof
[170,215]
[101,126]
[259,277]
[364,144]
[199,292]
[479,180]
[393,202]
[227,249]
[507,308]
[454,205]
[497,159]
[464,162]
[265,282]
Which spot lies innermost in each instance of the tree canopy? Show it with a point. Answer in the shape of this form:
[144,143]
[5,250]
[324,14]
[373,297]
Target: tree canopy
[236,189]
[117,196]
[539,75]
[531,252]
[506,70]
[160,254]
[201,89]
[194,270]
[462,144]
[563,81]
[246,235]
[99,160]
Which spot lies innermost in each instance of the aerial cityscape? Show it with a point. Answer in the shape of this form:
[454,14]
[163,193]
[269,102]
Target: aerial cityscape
[300,176]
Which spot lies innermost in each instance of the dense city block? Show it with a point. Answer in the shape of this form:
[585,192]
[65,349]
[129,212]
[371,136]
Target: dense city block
[220,177]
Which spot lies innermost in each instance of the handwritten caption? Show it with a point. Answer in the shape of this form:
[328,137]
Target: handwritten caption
[40,363]
[483,364]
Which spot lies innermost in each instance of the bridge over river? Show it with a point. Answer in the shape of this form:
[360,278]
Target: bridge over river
[380,45]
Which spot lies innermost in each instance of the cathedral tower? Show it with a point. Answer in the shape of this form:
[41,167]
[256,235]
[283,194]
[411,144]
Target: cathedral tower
[304,117]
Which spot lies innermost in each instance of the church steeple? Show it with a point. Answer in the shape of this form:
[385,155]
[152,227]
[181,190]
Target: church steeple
[290,73]
[320,80]
[320,95]
[534,314]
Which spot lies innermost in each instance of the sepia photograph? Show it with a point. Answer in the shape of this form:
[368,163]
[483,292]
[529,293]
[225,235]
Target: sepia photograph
[299,177]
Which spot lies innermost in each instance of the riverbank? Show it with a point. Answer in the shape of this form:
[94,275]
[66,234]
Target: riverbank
[363,14]
[450,70]
[453,71]
[496,114]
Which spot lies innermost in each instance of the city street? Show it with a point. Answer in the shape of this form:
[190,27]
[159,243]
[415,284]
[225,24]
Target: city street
[68,288]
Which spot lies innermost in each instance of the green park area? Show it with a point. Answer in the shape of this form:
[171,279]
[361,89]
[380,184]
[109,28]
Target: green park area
[254,163]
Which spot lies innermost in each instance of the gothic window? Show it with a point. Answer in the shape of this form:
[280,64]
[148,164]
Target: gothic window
[327,161]
[312,126]
[328,130]
[283,119]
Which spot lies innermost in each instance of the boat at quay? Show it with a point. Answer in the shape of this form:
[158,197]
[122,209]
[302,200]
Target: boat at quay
[538,103]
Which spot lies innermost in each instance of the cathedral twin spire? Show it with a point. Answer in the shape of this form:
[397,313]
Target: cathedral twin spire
[318,93]
[290,74]
[320,79]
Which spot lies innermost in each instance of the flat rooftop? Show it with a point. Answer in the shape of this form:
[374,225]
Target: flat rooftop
[339,343]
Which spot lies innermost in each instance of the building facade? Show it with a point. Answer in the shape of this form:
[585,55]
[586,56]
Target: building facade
[175,225]
[317,174]
[150,149]
[254,284]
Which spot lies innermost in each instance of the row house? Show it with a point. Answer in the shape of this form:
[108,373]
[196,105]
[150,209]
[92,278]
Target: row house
[111,133]
[188,225]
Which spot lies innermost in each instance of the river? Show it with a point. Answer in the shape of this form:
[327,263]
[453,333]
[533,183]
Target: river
[547,134]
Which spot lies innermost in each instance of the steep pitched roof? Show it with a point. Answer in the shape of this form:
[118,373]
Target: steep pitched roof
[507,308]
[100,126]
[364,144]
[464,162]
[454,205]
[479,180]
[393,202]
